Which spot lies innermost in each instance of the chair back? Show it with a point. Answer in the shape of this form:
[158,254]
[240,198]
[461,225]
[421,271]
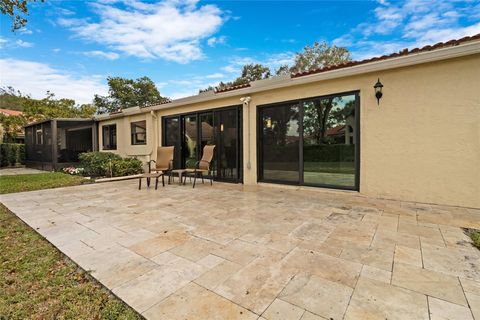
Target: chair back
[165,157]
[207,157]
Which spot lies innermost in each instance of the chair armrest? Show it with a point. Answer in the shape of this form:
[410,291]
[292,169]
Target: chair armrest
[149,165]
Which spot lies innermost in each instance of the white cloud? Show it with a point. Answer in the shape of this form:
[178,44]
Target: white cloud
[215,75]
[37,78]
[56,50]
[272,60]
[25,30]
[3,42]
[23,44]
[409,24]
[213,41]
[102,54]
[170,30]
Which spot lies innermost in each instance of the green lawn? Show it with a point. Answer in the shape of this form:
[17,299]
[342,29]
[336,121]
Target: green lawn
[30,182]
[36,280]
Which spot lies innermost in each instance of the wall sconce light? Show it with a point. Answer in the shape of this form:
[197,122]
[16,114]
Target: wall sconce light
[221,127]
[269,123]
[378,90]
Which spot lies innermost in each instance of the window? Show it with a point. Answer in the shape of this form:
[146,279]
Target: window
[139,132]
[39,136]
[109,136]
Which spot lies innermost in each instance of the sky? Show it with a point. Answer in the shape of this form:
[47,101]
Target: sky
[71,47]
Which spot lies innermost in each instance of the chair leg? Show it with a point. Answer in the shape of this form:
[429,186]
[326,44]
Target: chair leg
[148,182]
[163,180]
[194,179]
[139,183]
[156,183]
[211,180]
[203,182]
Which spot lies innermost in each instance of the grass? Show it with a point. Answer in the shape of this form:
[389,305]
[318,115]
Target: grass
[30,182]
[474,234]
[37,281]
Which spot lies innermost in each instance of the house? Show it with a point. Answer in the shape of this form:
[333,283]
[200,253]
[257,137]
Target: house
[415,139]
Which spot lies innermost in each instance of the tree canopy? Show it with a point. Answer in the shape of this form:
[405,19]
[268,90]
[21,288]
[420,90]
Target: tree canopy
[318,55]
[17,10]
[37,109]
[126,93]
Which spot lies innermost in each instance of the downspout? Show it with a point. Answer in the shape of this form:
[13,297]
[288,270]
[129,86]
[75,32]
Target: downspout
[246,104]
[155,131]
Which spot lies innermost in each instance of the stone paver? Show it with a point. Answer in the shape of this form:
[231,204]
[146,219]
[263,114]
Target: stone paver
[234,252]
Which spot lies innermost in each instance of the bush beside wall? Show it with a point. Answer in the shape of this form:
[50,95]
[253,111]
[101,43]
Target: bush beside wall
[11,154]
[329,153]
[108,164]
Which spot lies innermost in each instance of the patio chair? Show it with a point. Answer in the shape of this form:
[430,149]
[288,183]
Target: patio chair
[203,166]
[163,165]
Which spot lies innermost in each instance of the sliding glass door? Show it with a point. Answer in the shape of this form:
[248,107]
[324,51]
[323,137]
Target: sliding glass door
[221,127]
[311,142]
[280,142]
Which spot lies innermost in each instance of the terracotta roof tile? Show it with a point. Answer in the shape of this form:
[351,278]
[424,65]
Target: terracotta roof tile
[231,88]
[404,52]
[10,112]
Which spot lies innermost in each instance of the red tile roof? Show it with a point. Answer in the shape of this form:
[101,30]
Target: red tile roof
[403,52]
[240,86]
[9,112]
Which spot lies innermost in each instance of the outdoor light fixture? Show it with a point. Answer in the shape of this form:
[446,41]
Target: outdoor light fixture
[269,123]
[378,90]
[221,127]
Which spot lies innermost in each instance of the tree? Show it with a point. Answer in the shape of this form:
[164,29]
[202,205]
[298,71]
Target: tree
[39,109]
[126,93]
[283,70]
[17,10]
[252,72]
[49,108]
[319,55]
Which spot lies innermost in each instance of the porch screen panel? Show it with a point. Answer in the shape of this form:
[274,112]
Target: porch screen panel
[280,145]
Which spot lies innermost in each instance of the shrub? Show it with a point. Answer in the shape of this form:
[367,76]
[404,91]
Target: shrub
[126,166]
[109,164]
[97,163]
[11,154]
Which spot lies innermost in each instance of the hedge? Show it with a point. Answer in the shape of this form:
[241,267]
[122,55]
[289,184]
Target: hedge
[98,164]
[311,153]
[11,154]
[329,153]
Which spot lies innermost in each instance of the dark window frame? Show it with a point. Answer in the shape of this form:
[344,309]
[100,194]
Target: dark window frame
[260,108]
[133,132]
[112,142]
[239,146]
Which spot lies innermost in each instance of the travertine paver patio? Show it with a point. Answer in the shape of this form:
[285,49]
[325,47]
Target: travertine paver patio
[225,252]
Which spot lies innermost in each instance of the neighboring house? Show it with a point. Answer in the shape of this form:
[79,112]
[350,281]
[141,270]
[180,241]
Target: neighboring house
[419,142]
[20,137]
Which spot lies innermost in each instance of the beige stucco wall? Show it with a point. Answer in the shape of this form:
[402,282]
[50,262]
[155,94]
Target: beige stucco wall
[422,143]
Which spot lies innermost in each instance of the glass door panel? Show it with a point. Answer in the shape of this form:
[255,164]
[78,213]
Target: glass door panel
[190,140]
[280,143]
[329,141]
[172,137]
[227,149]
[207,135]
